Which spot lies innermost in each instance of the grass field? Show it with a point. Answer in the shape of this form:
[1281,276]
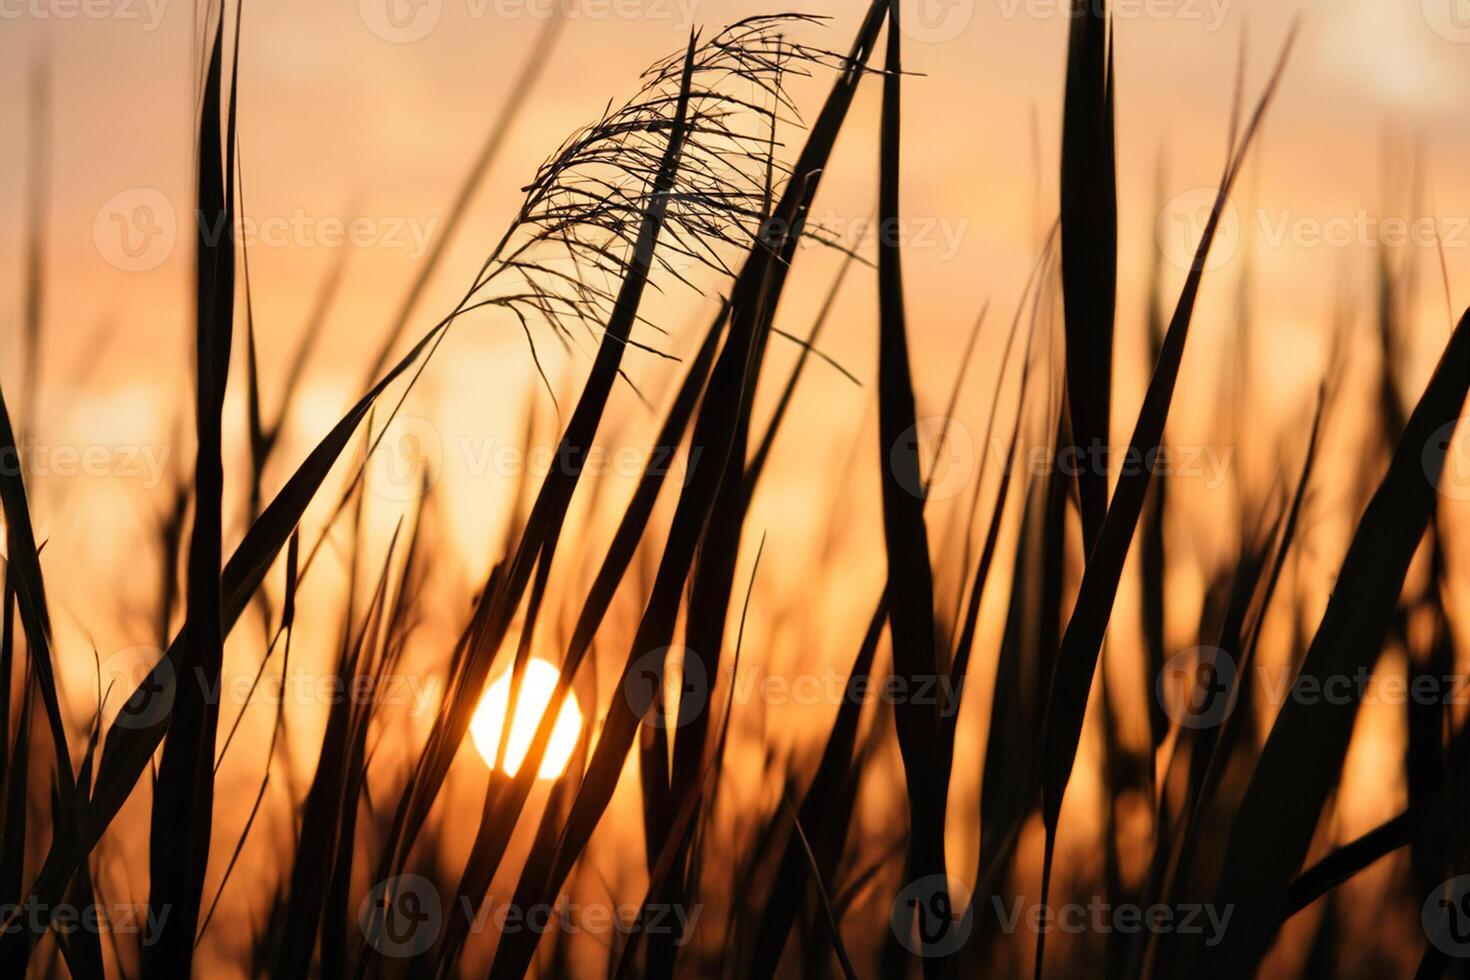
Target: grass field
[966,674]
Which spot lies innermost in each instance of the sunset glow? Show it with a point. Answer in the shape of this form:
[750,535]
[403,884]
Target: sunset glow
[537,687]
[998,473]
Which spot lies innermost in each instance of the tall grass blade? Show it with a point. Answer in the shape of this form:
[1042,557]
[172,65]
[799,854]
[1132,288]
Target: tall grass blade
[183,800]
[910,584]
[1083,638]
[753,303]
[1089,200]
[23,575]
[1301,761]
[1082,641]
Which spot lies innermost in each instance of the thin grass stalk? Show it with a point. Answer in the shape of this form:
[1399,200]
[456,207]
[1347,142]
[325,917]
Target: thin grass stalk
[1301,761]
[183,802]
[753,303]
[910,585]
[1089,222]
[1082,642]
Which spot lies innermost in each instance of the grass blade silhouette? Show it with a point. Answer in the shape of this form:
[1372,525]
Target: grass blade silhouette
[1082,640]
[183,799]
[1302,759]
[1089,222]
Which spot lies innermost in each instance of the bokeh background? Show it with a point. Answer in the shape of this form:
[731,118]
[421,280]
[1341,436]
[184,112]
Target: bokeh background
[369,113]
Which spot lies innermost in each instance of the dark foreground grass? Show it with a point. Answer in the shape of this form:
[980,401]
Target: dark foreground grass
[689,174]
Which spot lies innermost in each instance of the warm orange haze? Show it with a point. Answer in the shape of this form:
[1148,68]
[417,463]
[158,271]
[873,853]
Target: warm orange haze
[678,488]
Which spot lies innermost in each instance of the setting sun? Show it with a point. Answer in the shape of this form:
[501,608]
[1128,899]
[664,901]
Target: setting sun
[537,686]
[998,471]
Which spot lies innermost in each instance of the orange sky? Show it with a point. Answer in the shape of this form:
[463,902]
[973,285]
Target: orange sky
[362,110]
[349,114]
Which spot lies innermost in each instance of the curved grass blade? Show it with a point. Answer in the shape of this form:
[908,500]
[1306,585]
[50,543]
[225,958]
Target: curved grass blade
[1081,644]
[1302,759]
[756,293]
[23,575]
[127,751]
